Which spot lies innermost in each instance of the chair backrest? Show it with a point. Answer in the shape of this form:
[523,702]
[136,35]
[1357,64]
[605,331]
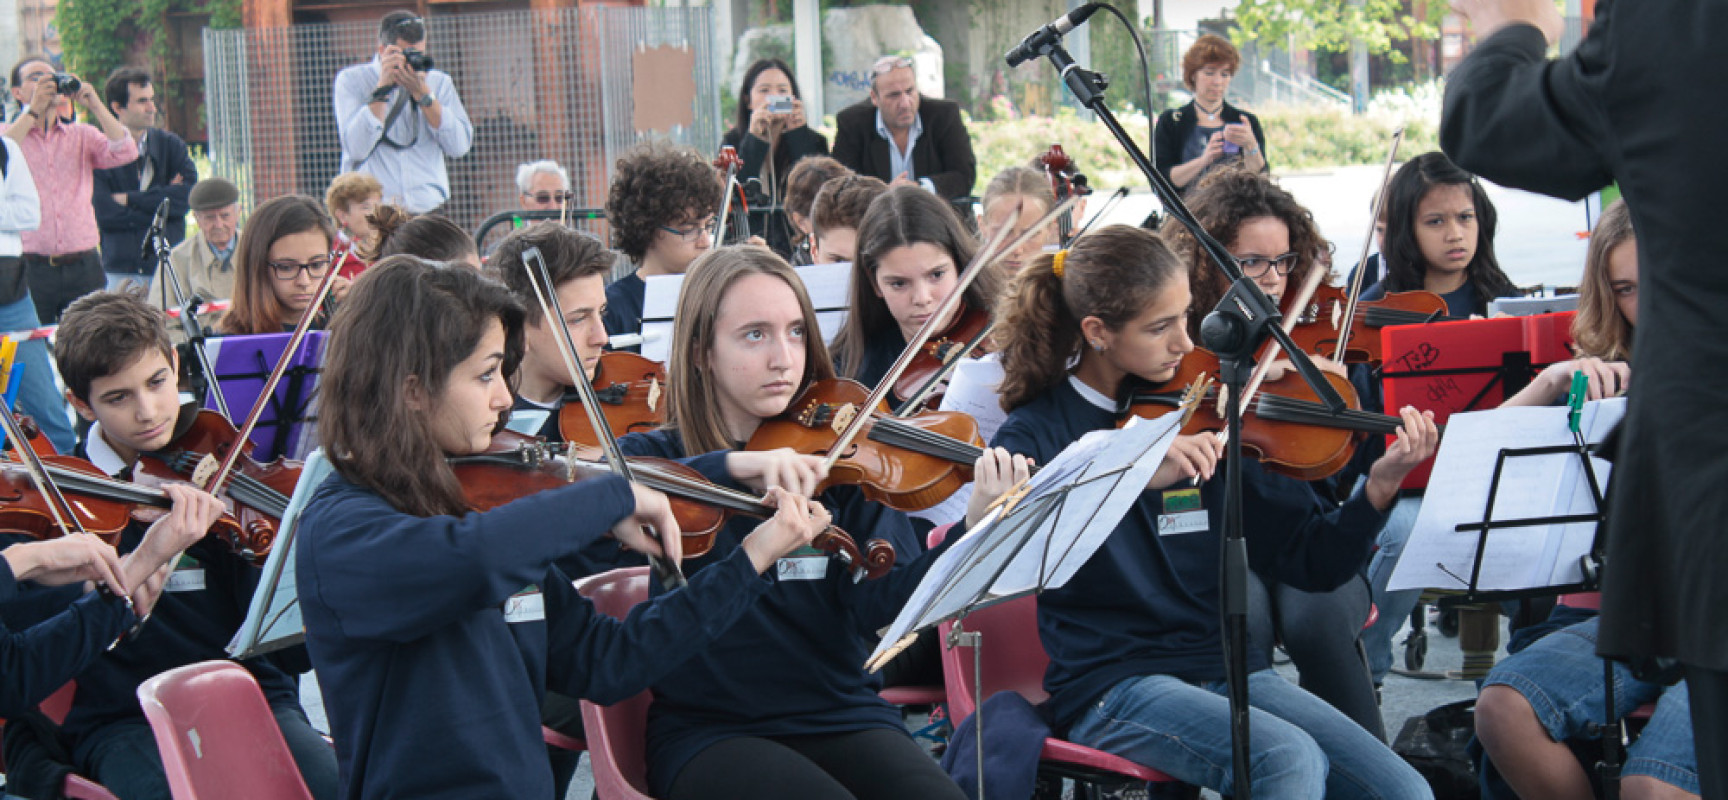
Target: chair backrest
[1586,600]
[1013,658]
[217,735]
[617,734]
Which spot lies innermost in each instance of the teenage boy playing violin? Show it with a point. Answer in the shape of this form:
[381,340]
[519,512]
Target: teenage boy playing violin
[120,372]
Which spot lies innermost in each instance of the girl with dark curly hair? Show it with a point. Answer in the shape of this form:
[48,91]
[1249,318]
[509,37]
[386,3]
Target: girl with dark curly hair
[661,208]
[1440,237]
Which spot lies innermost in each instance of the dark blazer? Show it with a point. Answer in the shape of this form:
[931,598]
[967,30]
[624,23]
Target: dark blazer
[1176,125]
[943,153]
[794,146]
[1625,106]
[123,226]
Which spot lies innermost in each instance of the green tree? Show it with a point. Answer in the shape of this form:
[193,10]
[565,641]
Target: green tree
[1332,25]
[96,34]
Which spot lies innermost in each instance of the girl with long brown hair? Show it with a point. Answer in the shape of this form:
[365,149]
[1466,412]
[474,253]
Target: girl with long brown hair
[409,596]
[783,707]
[1134,636]
[283,253]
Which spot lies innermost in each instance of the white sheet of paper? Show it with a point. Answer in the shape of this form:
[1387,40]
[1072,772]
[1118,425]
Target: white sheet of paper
[1440,556]
[829,287]
[273,619]
[971,390]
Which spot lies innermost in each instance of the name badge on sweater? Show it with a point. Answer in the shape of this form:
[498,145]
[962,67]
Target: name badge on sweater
[528,605]
[804,564]
[1183,513]
[188,576]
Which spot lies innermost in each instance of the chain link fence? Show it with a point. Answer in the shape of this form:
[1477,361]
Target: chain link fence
[577,85]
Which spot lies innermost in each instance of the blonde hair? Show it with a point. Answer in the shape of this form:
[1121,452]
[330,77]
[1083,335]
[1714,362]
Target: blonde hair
[692,407]
[1018,182]
[350,188]
[1599,329]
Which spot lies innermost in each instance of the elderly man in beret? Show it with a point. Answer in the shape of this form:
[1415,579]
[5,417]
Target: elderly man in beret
[204,263]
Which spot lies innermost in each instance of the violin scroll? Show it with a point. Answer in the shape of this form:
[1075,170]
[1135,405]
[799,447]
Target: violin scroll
[873,563]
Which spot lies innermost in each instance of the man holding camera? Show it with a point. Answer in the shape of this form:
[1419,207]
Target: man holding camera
[399,118]
[60,261]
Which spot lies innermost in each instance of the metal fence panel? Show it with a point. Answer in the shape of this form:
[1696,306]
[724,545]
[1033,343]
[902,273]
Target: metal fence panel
[536,84]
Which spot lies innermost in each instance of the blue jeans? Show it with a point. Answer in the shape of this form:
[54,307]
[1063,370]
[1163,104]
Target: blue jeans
[1302,747]
[1395,607]
[38,395]
[1561,676]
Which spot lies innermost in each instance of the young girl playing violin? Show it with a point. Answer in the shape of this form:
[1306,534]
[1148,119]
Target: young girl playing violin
[781,707]
[283,253]
[1440,237]
[410,596]
[911,248]
[1550,690]
[1275,241]
[1134,638]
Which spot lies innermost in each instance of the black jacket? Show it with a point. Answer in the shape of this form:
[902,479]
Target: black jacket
[1177,124]
[1627,106]
[794,145]
[123,226]
[943,153]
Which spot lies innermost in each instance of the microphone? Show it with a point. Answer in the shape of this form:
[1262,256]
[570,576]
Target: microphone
[157,225]
[1030,47]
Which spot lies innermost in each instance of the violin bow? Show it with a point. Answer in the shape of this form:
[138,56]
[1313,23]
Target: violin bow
[58,508]
[992,252]
[1355,291]
[540,280]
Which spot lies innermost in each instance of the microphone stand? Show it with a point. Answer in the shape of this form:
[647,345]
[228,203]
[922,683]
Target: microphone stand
[1234,330]
[157,242]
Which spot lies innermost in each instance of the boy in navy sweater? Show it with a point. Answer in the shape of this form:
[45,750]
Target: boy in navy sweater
[661,207]
[120,372]
[1134,638]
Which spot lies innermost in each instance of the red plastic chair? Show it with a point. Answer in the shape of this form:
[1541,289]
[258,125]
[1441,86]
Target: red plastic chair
[217,735]
[617,734]
[1014,660]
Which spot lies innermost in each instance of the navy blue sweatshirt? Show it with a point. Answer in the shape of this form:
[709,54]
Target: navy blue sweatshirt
[196,616]
[793,665]
[624,299]
[1148,604]
[431,658]
[880,352]
[39,659]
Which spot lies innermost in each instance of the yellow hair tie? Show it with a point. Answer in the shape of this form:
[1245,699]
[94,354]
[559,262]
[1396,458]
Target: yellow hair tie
[1061,258]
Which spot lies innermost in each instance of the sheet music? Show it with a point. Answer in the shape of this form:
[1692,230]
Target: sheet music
[273,618]
[829,287]
[1440,556]
[971,390]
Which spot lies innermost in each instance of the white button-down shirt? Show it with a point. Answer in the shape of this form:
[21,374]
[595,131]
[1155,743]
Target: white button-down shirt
[409,162]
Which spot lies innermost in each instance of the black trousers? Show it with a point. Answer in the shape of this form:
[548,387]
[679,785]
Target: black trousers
[1708,691]
[55,281]
[874,764]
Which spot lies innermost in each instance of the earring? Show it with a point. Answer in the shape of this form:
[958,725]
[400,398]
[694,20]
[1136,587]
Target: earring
[1098,346]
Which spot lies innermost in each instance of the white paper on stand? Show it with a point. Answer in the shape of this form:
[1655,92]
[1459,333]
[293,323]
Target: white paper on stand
[971,390]
[829,287]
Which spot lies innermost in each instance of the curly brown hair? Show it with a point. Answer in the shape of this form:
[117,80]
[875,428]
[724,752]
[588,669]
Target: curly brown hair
[1222,202]
[658,184]
[1206,51]
[807,178]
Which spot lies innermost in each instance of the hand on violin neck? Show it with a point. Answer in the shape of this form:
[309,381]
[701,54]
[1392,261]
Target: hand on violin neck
[782,467]
[1189,457]
[995,473]
[1418,437]
[796,521]
[68,559]
[650,529]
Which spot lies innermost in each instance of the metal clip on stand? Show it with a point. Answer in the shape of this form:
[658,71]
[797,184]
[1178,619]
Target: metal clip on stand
[1235,330]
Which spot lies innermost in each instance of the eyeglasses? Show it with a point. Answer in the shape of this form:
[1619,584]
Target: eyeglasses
[286,270]
[888,64]
[549,197]
[706,226]
[1256,266]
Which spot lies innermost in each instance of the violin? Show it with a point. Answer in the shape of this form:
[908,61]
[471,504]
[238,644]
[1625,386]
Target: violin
[516,465]
[1065,182]
[1319,324]
[631,389]
[729,163]
[936,360]
[104,506]
[906,463]
[1285,426]
[33,434]
[257,493]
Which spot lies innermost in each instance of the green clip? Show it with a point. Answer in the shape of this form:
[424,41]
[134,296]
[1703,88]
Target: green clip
[1575,401]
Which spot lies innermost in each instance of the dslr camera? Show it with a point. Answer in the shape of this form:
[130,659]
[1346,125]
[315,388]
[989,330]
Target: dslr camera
[417,60]
[66,84]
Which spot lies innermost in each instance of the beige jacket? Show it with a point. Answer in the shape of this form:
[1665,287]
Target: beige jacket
[200,274]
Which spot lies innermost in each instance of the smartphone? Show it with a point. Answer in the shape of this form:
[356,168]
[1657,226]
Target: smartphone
[1231,148]
[780,104]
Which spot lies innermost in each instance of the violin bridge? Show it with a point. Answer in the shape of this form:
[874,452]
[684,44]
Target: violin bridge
[842,417]
[1337,315]
[206,468]
[654,395]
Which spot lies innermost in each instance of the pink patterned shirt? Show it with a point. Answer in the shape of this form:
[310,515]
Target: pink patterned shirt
[62,161]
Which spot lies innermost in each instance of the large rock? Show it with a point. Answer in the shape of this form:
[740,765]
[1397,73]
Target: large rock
[857,36]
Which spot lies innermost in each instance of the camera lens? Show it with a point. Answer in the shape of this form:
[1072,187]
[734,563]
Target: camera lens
[417,60]
[66,84]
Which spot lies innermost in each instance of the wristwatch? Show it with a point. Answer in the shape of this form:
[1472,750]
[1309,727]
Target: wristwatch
[426,100]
